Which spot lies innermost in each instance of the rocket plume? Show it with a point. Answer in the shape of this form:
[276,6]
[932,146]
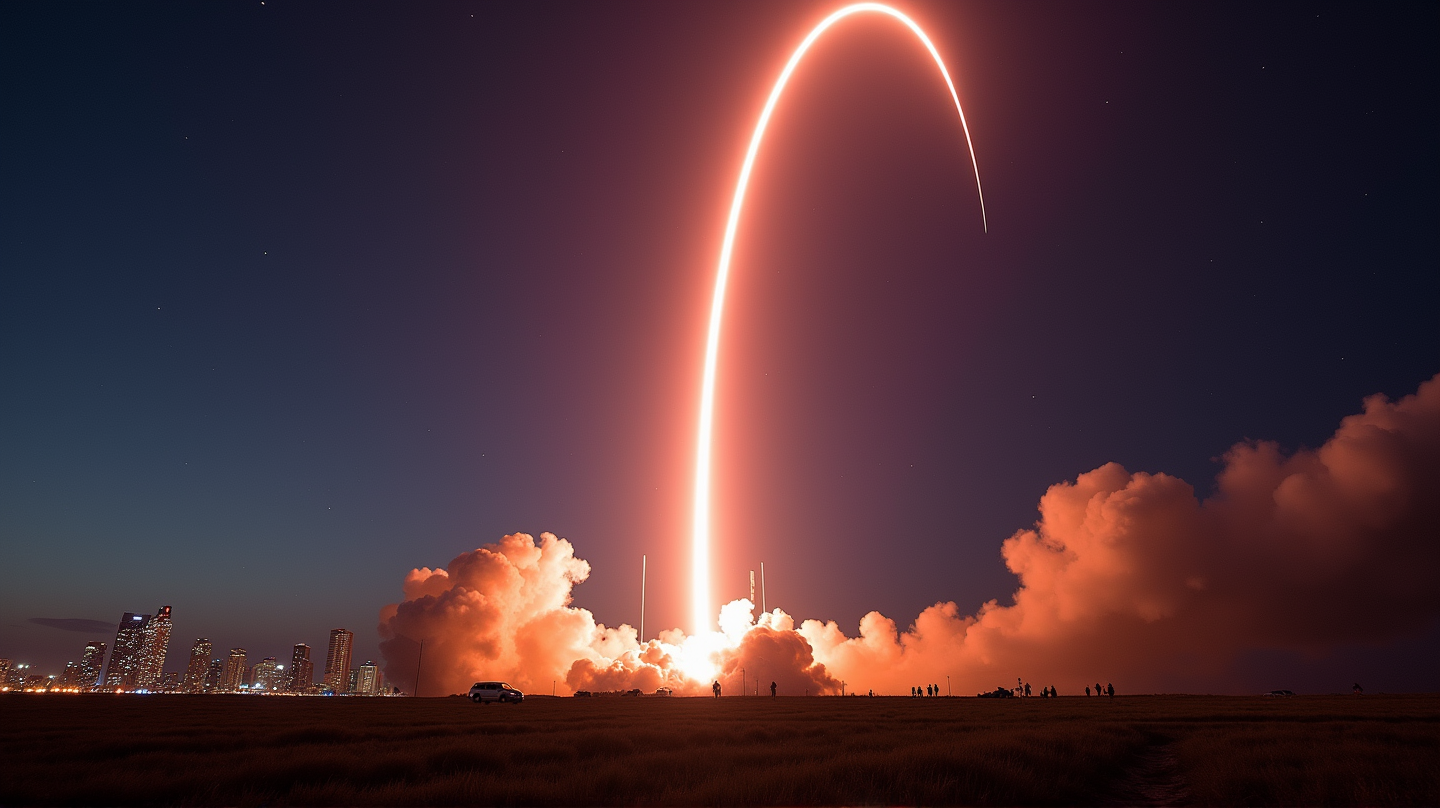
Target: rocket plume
[700,526]
[503,612]
[1124,572]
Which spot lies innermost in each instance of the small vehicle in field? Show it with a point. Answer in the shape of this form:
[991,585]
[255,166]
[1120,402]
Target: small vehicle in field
[486,692]
[997,693]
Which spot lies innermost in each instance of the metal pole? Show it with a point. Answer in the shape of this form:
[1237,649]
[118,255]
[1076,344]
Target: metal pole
[642,598]
[763,607]
[418,660]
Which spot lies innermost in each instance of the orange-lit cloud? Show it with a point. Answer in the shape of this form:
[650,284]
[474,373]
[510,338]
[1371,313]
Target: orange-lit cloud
[503,612]
[499,612]
[1126,576]
[1130,575]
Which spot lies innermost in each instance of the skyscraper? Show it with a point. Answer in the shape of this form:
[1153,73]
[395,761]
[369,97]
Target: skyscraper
[367,682]
[337,660]
[70,677]
[154,645]
[302,670]
[199,664]
[124,667]
[214,675]
[268,675]
[92,663]
[234,674]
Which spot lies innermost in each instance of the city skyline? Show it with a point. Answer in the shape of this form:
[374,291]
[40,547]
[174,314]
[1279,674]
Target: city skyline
[141,648]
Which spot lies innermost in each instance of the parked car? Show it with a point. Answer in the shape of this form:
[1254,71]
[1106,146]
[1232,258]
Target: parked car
[997,693]
[1281,693]
[664,691]
[484,692]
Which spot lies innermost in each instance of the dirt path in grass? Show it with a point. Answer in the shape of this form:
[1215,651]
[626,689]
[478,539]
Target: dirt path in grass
[1153,779]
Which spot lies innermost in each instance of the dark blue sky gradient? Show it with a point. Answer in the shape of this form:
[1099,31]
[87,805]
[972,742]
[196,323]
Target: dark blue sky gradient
[295,297]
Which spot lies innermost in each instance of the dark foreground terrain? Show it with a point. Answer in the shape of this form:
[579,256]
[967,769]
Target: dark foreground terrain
[1202,750]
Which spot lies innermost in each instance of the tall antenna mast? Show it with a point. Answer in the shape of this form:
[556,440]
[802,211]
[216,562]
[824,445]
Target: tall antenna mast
[642,598]
[752,587]
[763,607]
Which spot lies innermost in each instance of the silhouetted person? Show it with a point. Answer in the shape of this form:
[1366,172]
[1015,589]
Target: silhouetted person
[1087,691]
[937,690]
[1054,694]
[930,690]
[772,690]
[1027,689]
[715,688]
[1110,690]
[1099,691]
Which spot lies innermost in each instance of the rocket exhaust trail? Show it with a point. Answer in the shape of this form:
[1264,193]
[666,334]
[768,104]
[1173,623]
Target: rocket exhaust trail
[700,525]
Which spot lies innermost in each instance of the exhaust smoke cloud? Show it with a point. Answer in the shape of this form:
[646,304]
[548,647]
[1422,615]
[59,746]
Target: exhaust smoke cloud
[1124,572]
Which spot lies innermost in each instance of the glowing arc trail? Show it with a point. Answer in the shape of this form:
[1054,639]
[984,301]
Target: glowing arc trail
[700,525]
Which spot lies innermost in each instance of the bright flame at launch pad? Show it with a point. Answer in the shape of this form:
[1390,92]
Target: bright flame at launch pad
[700,570]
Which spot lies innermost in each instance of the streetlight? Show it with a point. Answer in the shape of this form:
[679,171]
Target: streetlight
[947,685]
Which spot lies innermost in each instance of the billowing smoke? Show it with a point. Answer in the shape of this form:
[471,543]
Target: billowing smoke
[1126,573]
[1129,574]
[500,612]
[503,612]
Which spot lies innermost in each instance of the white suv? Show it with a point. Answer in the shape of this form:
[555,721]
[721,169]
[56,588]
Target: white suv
[484,692]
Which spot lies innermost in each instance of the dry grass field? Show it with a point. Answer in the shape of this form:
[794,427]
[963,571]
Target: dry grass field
[1202,750]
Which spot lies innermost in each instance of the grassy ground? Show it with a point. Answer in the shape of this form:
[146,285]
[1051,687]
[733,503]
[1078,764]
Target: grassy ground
[216,750]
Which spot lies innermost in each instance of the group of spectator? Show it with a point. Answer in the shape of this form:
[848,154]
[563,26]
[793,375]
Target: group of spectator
[1022,688]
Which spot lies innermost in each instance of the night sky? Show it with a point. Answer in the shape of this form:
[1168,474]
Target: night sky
[297,297]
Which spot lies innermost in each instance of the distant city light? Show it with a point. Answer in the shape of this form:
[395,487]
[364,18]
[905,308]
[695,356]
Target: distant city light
[136,666]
